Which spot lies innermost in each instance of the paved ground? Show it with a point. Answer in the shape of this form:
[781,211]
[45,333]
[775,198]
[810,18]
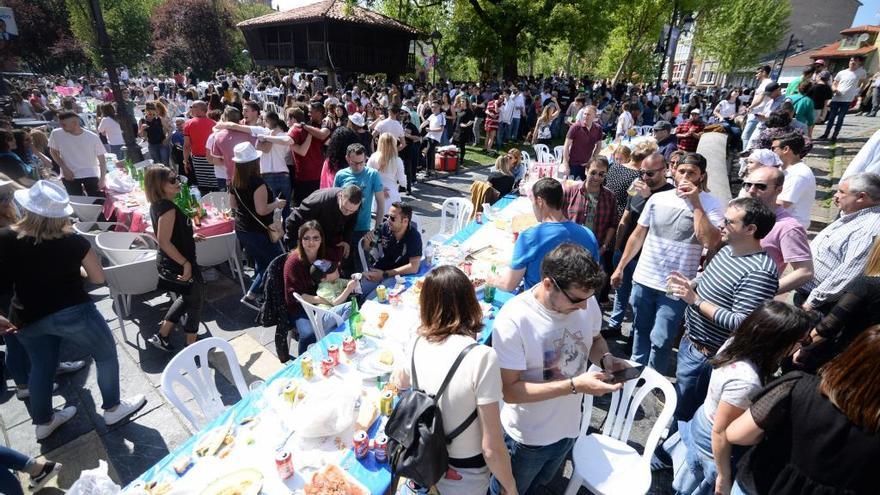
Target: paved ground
[132,447]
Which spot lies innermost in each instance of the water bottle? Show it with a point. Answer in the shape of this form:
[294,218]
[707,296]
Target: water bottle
[429,252]
[276,217]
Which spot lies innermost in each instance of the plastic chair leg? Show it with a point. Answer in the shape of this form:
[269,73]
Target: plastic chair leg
[574,484]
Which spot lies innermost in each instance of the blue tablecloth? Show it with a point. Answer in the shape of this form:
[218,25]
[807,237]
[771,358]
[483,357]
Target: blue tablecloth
[376,477]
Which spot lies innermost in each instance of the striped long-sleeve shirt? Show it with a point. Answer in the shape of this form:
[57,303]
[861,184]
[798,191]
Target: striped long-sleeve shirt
[736,285]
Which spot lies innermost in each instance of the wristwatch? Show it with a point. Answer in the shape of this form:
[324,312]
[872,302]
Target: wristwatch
[697,302]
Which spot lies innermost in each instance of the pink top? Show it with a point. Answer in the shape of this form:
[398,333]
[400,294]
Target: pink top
[787,241]
[327,175]
[224,146]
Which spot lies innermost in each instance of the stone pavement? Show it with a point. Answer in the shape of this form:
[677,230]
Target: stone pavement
[135,445]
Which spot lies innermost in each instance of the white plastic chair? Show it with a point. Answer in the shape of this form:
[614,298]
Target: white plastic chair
[316,317]
[525,158]
[199,380]
[87,208]
[116,247]
[130,279]
[454,214]
[542,153]
[645,130]
[219,249]
[604,463]
[87,230]
[557,153]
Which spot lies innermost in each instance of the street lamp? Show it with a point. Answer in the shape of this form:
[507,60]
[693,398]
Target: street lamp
[799,46]
[687,23]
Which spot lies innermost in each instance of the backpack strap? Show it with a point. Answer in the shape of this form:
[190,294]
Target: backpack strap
[463,426]
[452,369]
[415,379]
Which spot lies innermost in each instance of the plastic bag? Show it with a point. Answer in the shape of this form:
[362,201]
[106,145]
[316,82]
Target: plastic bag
[328,409]
[95,482]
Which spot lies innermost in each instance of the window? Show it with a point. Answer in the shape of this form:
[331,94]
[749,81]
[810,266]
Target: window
[678,70]
[708,73]
[850,42]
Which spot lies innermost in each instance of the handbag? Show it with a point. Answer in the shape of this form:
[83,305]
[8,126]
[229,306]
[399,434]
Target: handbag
[168,281]
[275,230]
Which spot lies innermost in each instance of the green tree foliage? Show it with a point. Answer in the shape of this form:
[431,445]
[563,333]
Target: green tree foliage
[737,32]
[128,25]
[629,51]
[192,33]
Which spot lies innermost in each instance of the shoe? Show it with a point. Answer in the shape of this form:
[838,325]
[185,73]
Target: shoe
[24,393]
[161,342]
[251,303]
[58,419]
[126,408]
[50,470]
[823,137]
[65,367]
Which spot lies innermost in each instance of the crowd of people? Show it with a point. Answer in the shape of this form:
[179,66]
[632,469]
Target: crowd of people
[635,231]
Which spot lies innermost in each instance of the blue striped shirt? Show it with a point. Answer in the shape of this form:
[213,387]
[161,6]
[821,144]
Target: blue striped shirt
[736,285]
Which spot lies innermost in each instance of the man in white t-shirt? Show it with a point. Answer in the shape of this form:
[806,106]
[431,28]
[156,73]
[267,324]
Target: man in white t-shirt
[392,126]
[434,124]
[846,86]
[762,75]
[545,339]
[80,154]
[799,189]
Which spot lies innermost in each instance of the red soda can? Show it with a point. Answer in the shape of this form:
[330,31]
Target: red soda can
[349,347]
[380,448]
[479,217]
[360,444]
[333,353]
[284,464]
[327,366]
[515,236]
[466,267]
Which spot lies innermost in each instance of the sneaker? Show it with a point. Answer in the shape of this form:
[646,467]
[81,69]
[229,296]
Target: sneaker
[24,393]
[65,367]
[126,408]
[58,419]
[50,470]
[161,342]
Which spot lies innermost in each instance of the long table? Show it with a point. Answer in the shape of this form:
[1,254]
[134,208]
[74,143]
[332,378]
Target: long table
[275,415]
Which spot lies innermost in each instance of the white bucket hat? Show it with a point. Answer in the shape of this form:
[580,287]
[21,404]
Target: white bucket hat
[46,199]
[245,152]
[357,119]
[765,157]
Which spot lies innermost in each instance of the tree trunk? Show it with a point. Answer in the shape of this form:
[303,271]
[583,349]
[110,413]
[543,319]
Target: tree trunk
[568,59]
[622,65]
[532,62]
[509,49]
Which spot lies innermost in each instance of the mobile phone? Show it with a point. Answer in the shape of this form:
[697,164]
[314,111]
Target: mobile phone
[626,374]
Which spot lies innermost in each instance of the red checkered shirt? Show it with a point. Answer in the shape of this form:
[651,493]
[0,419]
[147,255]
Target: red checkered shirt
[689,143]
[575,203]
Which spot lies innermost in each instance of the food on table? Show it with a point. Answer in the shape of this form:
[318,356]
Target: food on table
[417,286]
[332,480]
[366,414]
[478,282]
[243,482]
[522,222]
[212,441]
[162,488]
[383,318]
[182,465]
[386,357]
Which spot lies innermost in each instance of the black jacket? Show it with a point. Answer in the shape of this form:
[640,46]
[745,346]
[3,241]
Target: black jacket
[323,206]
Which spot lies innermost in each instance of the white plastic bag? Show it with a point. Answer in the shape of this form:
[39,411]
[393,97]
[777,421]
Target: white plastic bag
[328,409]
[95,482]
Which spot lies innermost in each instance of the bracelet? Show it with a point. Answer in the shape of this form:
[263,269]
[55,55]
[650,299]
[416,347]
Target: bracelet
[571,383]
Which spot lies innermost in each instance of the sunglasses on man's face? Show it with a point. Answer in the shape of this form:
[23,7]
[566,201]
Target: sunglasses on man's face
[649,173]
[757,185]
[570,299]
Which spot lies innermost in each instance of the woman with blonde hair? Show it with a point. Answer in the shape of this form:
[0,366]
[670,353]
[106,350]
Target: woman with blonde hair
[542,133]
[501,177]
[390,168]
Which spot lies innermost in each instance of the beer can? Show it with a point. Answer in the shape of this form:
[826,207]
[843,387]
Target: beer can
[380,448]
[386,403]
[307,364]
[333,353]
[327,366]
[360,444]
[284,464]
[382,294]
[349,347]
[290,391]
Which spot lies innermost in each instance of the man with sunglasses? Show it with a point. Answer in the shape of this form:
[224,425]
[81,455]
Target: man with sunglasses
[591,204]
[799,192]
[787,242]
[545,339]
[400,248]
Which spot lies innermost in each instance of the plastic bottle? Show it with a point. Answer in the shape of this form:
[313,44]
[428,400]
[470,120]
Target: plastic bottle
[489,291]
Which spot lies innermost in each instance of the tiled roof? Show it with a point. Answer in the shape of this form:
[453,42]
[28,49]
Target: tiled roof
[330,9]
[833,51]
[861,29]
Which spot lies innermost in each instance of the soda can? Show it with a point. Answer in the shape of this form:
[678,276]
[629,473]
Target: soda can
[349,347]
[382,293]
[333,353]
[307,364]
[284,464]
[360,444]
[466,267]
[290,391]
[515,236]
[480,217]
[386,403]
[380,448]
[327,366]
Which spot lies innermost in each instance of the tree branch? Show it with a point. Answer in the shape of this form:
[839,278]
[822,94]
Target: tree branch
[483,15]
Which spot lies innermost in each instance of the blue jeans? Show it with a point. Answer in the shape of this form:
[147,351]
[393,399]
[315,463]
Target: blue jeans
[160,153]
[751,124]
[307,332]
[514,129]
[84,326]
[279,183]
[18,363]
[116,149]
[691,379]
[836,111]
[533,466]
[656,319]
[12,460]
[261,251]
[503,134]
[621,298]
[221,184]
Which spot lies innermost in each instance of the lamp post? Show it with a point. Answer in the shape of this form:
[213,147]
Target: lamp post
[435,38]
[799,46]
[687,22]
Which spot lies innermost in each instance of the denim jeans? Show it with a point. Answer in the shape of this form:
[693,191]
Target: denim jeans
[533,466]
[116,149]
[622,295]
[692,375]
[17,360]
[503,135]
[836,111]
[160,153]
[84,326]
[656,319]
[875,102]
[514,129]
[11,460]
[307,332]
[279,183]
[261,251]
[751,124]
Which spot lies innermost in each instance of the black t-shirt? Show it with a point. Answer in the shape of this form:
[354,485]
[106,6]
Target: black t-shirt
[502,183]
[181,235]
[820,93]
[245,209]
[397,253]
[45,276]
[155,132]
[635,205]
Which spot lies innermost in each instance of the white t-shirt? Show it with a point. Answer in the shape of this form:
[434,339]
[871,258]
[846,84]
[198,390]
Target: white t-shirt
[799,189]
[110,128]
[393,176]
[506,114]
[436,121]
[726,109]
[545,346]
[477,382]
[274,160]
[391,126]
[80,153]
[732,383]
[671,244]
[848,84]
[219,170]
[759,91]
[624,123]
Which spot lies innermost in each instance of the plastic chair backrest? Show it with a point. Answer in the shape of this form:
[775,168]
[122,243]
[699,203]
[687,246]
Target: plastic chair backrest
[557,153]
[525,158]
[460,209]
[625,404]
[139,277]
[215,250]
[199,380]
[116,246]
[316,316]
[645,130]
[362,254]
[86,212]
[542,153]
[86,229]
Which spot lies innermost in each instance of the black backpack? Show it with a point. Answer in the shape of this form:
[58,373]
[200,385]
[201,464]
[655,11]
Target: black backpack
[416,439]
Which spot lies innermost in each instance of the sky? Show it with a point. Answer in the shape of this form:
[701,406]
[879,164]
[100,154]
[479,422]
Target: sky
[868,13]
